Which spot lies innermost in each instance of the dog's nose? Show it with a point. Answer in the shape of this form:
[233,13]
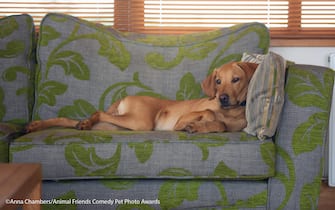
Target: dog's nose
[224,99]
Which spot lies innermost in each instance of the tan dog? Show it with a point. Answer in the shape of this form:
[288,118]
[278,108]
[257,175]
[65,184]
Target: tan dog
[224,110]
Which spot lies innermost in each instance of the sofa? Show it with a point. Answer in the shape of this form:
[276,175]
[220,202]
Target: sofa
[73,67]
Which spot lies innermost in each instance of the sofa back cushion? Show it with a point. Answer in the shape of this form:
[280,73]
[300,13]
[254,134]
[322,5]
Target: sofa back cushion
[17,63]
[84,67]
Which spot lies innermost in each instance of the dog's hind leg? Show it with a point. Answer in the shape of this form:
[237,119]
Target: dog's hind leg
[125,121]
[53,122]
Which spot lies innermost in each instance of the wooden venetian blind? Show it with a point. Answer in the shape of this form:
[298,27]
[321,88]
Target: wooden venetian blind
[287,19]
[172,16]
[309,19]
[200,14]
[94,10]
[317,14]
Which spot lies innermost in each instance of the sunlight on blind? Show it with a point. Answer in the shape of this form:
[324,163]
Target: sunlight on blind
[318,14]
[101,11]
[196,13]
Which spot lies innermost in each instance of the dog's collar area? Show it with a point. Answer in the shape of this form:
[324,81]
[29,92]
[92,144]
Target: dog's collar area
[242,104]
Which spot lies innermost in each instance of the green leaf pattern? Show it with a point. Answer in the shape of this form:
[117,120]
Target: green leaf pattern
[86,162]
[49,90]
[288,179]
[48,34]
[309,94]
[223,171]
[114,51]
[119,91]
[72,63]
[310,193]
[10,74]
[309,133]
[268,155]
[79,110]
[196,52]
[254,201]
[189,88]
[8,26]
[143,150]
[173,193]
[13,49]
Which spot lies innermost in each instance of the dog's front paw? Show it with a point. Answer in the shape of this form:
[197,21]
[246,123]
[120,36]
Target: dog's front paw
[191,128]
[84,125]
[34,126]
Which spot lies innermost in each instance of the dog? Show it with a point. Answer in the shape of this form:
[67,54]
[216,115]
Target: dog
[223,109]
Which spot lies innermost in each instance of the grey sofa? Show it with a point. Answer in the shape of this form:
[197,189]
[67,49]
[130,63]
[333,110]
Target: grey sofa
[75,67]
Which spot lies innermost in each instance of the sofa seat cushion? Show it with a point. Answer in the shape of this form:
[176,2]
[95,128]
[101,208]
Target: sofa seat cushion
[166,194]
[73,154]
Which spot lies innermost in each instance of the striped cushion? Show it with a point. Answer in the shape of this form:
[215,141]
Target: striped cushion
[265,94]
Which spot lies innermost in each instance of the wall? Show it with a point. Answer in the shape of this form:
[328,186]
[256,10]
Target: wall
[305,55]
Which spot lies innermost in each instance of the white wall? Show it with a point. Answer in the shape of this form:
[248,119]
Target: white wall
[305,55]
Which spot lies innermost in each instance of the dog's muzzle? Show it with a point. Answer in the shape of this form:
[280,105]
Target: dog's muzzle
[224,100]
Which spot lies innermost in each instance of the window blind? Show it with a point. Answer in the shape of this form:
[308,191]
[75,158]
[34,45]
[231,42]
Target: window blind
[287,19]
[213,13]
[317,14]
[93,10]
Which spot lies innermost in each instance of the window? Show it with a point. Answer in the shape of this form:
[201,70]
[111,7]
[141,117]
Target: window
[291,22]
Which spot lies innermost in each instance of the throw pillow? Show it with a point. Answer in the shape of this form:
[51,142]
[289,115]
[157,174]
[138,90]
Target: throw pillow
[265,98]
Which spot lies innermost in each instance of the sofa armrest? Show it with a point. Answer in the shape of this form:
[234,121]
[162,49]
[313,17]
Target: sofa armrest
[300,138]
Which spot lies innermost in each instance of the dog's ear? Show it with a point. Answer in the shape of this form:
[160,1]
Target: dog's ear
[248,68]
[208,85]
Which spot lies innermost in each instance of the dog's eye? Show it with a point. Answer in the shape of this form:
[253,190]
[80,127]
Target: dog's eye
[234,80]
[218,81]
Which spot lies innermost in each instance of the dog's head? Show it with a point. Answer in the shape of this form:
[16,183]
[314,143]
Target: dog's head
[229,83]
